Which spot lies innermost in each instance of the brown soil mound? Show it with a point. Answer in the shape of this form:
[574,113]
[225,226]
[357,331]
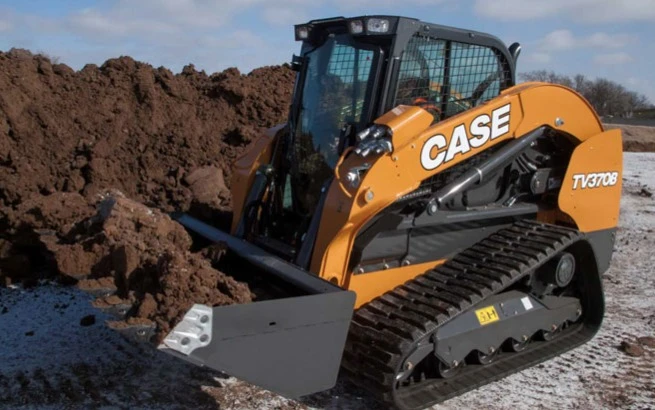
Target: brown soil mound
[636,138]
[162,139]
[145,257]
[68,138]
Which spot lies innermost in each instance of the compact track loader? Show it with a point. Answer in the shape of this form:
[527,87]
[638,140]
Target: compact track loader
[432,225]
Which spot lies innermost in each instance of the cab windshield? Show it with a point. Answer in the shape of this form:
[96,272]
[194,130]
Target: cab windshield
[336,91]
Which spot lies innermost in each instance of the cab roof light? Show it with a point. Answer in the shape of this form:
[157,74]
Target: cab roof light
[302,33]
[356,27]
[376,25]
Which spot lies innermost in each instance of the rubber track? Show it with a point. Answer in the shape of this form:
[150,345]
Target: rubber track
[384,331]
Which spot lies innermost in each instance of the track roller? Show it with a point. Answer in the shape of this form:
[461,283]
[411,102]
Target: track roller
[486,358]
[448,371]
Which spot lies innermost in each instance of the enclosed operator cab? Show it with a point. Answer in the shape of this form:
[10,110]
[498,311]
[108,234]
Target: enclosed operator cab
[352,71]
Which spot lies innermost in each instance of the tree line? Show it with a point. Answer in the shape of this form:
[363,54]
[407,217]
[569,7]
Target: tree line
[608,98]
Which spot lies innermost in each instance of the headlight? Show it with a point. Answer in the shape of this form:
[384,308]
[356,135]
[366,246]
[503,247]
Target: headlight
[377,25]
[302,33]
[356,27]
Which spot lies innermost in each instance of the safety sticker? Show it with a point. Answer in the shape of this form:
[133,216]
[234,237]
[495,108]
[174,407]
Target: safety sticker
[487,315]
[526,303]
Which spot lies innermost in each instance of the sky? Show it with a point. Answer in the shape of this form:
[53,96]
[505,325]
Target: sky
[598,38]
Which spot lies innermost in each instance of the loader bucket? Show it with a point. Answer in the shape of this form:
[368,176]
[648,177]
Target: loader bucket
[291,346]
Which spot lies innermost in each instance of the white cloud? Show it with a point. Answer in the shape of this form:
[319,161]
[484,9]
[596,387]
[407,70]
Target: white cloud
[192,13]
[565,40]
[539,57]
[91,21]
[607,40]
[579,10]
[613,58]
[558,40]
[285,16]
[171,17]
[236,39]
[125,18]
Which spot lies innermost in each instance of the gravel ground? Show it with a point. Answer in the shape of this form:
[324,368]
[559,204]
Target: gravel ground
[56,352]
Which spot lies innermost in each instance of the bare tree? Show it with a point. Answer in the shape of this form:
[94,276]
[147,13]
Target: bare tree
[580,83]
[547,77]
[606,96]
[538,75]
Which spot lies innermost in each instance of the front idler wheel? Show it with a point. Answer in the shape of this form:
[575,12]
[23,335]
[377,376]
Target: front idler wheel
[564,269]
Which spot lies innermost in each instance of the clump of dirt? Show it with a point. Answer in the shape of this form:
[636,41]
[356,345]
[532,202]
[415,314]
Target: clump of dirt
[632,349]
[142,258]
[164,139]
[647,341]
[22,255]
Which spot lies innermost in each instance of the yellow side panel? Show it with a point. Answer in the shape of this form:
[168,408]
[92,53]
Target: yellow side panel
[422,150]
[591,191]
[544,104]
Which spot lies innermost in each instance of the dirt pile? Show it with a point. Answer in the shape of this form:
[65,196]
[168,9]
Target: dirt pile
[163,139]
[636,138]
[141,259]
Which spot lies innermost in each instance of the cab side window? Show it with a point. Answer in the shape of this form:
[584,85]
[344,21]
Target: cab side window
[475,76]
[421,74]
[448,77]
